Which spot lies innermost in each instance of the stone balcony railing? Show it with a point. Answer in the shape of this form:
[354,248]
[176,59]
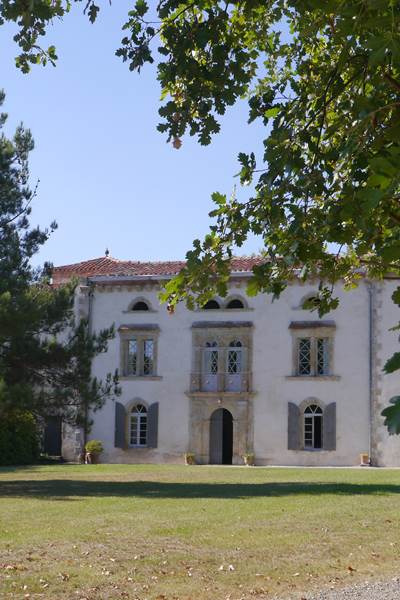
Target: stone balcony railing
[221,382]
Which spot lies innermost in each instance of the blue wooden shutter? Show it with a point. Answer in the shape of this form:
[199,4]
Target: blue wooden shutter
[152,425]
[329,427]
[294,429]
[120,426]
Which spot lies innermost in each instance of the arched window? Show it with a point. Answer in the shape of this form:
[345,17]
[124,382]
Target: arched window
[140,305]
[212,358]
[211,305]
[235,303]
[210,367]
[235,357]
[138,426]
[236,344]
[313,416]
[234,366]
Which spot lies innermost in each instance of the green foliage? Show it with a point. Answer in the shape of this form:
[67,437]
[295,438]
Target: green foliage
[392,415]
[94,447]
[18,438]
[323,77]
[329,92]
[393,363]
[46,356]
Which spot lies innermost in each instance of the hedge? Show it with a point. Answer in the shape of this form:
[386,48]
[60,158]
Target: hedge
[19,443]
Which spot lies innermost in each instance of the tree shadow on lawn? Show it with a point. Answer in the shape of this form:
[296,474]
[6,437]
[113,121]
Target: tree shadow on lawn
[59,489]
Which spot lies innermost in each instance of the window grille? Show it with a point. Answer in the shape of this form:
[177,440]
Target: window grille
[132,357]
[139,356]
[220,367]
[313,356]
[304,356]
[148,357]
[235,358]
[322,356]
[211,362]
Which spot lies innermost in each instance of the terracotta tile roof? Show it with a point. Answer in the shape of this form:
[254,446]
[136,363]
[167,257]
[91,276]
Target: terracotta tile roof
[109,266]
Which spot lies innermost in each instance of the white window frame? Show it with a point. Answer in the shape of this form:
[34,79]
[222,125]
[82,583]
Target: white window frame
[211,358]
[313,332]
[141,417]
[213,336]
[317,412]
[142,364]
[314,355]
[142,338]
[235,357]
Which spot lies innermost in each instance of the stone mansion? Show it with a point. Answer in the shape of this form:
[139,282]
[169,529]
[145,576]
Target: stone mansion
[241,375]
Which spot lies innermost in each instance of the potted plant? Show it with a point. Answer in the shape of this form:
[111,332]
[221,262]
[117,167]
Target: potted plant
[249,459]
[93,450]
[189,458]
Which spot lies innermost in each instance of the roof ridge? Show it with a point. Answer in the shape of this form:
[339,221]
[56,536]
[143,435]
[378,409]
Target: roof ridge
[106,266]
[146,262]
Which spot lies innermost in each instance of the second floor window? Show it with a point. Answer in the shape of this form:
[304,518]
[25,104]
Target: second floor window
[148,357]
[235,358]
[139,358]
[234,366]
[211,367]
[132,357]
[313,356]
[222,367]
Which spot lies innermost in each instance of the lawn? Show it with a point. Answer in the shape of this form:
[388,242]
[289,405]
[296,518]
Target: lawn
[176,532]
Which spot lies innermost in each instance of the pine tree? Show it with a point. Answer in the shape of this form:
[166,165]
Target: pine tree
[45,353]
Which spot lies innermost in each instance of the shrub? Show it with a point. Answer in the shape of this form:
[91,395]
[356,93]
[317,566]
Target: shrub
[249,459]
[190,458]
[94,447]
[19,443]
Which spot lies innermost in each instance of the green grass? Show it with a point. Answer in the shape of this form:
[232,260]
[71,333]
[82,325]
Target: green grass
[164,532]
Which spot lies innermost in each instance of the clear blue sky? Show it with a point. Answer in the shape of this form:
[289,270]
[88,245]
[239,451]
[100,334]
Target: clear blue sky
[106,175]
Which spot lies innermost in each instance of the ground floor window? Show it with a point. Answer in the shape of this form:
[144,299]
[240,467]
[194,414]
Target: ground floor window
[313,427]
[138,426]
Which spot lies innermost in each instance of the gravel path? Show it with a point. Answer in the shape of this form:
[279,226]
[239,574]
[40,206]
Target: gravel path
[384,590]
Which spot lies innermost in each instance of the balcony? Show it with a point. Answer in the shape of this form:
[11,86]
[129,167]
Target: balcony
[212,383]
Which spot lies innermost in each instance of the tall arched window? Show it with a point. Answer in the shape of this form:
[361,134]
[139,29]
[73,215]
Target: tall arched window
[313,416]
[234,366]
[212,357]
[138,426]
[210,367]
[235,357]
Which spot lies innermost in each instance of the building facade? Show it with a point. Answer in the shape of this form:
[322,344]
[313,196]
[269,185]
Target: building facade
[242,375]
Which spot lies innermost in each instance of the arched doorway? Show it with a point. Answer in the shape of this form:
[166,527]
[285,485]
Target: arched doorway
[221,437]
